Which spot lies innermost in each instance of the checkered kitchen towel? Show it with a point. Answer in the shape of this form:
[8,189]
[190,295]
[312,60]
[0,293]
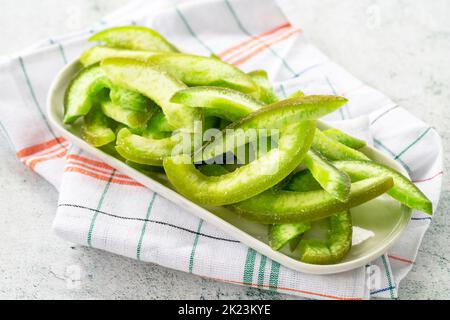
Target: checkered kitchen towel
[103,208]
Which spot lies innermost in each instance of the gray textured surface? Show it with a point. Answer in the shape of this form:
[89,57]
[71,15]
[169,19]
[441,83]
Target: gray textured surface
[400,48]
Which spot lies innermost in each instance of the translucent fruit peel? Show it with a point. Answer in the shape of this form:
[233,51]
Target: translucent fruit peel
[204,71]
[89,84]
[281,234]
[266,93]
[290,206]
[344,138]
[337,245]
[134,38]
[403,190]
[136,75]
[334,150]
[143,150]
[96,54]
[246,181]
[224,103]
[302,181]
[81,92]
[130,99]
[332,180]
[131,118]
[273,116]
[157,127]
[96,128]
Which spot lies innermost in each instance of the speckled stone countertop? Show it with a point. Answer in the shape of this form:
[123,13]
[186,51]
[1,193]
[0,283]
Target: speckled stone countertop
[398,47]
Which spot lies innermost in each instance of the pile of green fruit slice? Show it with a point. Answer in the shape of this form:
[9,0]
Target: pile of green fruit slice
[139,98]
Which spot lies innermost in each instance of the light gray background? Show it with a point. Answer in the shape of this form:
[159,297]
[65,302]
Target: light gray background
[399,47]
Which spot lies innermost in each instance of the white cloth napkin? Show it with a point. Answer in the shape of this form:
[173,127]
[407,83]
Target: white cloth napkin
[105,209]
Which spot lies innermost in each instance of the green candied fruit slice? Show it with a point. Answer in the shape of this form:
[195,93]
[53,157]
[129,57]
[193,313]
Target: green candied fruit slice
[404,190]
[245,181]
[344,138]
[332,180]
[157,127]
[340,236]
[155,84]
[216,101]
[334,249]
[302,181]
[131,118]
[96,128]
[143,150]
[96,54]
[269,117]
[130,99]
[335,150]
[290,207]
[281,234]
[81,92]
[314,251]
[266,93]
[204,71]
[134,38]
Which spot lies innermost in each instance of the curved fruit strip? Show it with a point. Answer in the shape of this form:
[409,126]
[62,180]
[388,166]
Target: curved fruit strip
[88,84]
[157,127]
[281,234]
[344,138]
[155,84]
[204,71]
[98,53]
[129,99]
[145,150]
[131,118]
[335,150]
[274,116]
[404,190]
[134,38]
[334,249]
[96,128]
[266,93]
[289,206]
[81,92]
[332,180]
[302,181]
[246,181]
[216,101]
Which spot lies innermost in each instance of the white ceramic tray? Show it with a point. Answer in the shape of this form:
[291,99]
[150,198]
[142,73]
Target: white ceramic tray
[385,217]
